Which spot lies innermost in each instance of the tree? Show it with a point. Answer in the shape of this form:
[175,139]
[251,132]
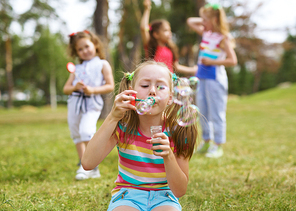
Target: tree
[39,62]
[129,46]
[101,23]
[39,12]
[185,39]
[249,46]
[287,70]
[6,17]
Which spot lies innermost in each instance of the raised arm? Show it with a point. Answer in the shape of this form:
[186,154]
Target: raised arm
[104,140]
[195,23]
[144,25]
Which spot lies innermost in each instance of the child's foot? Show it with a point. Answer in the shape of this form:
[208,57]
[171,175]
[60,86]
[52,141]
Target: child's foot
[82,174]
[203,148]
[95,173]
[215,151]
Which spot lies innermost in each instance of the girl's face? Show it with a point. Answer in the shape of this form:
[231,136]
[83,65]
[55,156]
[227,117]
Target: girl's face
[154,81]
[207,22]
[164,34]
[85,49]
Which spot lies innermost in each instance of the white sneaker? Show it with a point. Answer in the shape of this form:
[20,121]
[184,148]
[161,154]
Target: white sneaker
[82,174]
[215,151]
[95,173]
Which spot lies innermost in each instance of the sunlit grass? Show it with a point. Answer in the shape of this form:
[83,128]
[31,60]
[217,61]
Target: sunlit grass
[257,172]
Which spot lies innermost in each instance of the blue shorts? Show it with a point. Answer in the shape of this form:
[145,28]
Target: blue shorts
[143,200]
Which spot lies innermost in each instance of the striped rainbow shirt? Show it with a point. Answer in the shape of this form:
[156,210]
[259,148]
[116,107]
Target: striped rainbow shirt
[138,167]
[210,48]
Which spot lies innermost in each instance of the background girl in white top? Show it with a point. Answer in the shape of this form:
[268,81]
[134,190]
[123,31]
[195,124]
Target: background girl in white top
[93,77]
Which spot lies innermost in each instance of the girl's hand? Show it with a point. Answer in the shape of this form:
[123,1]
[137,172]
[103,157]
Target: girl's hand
[88,90]
[122,103]
[163,144]
[147,4]
[207,61]
[80,85]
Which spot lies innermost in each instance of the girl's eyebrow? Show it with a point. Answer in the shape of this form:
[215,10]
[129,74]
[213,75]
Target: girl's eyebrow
[157,80]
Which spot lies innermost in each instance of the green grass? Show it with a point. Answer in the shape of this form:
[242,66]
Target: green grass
[257,172]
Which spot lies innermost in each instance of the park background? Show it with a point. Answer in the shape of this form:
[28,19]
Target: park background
[38,158]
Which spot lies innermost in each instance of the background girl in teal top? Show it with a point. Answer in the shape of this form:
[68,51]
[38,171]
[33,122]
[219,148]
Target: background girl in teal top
[216,52]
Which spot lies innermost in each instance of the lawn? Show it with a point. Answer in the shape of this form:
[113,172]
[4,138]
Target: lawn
[257,172]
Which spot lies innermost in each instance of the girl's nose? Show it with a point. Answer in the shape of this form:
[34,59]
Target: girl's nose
[152,91]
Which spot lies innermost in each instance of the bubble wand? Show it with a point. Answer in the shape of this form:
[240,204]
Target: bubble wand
[144,105]
[71,69]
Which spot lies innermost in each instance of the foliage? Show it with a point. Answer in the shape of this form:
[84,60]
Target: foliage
[183,37]
[178,22]
[37,61]
[288,64]
[32,62]
[6,17]
[40,10]
[248,46]
[257,171]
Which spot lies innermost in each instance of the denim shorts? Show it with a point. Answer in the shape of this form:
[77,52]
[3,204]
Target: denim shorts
[143,200]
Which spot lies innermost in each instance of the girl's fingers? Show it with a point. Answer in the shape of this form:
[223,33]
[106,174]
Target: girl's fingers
[122,101]
[126,95]
[161,136]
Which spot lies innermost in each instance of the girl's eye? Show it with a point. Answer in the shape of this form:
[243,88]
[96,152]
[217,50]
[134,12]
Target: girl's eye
[161,87]
[145,86]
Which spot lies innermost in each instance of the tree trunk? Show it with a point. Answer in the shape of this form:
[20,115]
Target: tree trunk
[198,5]
[101,22]
[53,91]
[257,79]
[8,59]
[131,60]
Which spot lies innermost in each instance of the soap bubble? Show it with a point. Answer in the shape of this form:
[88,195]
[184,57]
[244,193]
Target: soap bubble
[187,115]
[182,91]
[182,94]
[194,83]
[144,106]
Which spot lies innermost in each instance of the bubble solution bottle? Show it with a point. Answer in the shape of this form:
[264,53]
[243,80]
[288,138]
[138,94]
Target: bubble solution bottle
[154,130]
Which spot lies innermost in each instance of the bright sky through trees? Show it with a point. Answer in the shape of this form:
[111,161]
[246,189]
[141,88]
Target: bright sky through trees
[273,18]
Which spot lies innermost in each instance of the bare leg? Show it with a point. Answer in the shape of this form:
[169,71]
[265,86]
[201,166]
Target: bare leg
[125,208]
[165,208]
[80,147]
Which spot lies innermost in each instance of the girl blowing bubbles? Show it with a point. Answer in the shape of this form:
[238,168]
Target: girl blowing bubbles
[158,44]
[147,179]
[94,77]
[216,52]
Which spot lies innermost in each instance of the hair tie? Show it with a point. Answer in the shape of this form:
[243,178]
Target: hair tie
[129,76]
[72,34]
[214,6]
[150,27]
[75,33]
[175,77]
